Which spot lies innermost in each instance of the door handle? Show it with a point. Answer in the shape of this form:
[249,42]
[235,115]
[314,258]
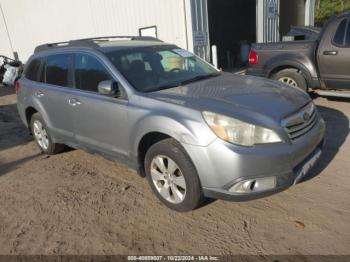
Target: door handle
[330,52]
[74,102]
[39,94]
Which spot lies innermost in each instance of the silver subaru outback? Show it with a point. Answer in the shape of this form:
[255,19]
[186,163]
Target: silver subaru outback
[191,130]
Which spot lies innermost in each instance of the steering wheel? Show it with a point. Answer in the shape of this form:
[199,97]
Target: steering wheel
[175,69]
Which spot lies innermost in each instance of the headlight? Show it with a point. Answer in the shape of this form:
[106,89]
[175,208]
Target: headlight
[238,132]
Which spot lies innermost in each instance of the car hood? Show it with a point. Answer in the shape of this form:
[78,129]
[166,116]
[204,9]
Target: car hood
[234,94]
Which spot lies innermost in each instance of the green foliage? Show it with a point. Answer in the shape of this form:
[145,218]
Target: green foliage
[326,8]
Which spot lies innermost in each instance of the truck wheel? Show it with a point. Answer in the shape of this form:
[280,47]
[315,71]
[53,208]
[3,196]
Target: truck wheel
[172,176]
[291,77]
[42,136]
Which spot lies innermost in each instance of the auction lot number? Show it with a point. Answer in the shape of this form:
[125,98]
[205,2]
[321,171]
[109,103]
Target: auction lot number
[172,258]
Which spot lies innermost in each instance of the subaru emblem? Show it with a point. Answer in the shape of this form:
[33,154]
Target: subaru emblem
[306,116]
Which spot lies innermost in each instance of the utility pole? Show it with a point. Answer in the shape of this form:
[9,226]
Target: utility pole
[7,31]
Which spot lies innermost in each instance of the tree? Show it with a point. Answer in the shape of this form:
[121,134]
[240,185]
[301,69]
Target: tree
[327,8]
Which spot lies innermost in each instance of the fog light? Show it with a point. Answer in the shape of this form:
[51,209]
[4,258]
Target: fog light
[254,185]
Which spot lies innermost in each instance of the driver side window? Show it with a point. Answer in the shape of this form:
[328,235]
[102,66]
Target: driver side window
[89,72]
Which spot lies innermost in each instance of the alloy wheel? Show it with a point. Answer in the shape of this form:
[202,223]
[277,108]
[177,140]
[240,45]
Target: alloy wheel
[168,179]
[40,135]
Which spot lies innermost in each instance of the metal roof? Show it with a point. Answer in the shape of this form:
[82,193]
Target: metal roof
[98,42]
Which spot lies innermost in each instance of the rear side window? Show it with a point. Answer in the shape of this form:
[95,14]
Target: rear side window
[347,37]
[57,69]
[32,71]
[89,72]
[340,34]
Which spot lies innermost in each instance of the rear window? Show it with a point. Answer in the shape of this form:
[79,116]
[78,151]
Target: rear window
[340,34]
[57,69]
[32,71]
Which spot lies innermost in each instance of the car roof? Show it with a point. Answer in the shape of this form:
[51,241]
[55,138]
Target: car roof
[103,43]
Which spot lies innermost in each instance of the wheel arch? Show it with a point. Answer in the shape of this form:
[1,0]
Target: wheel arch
[29,112]
[157,127]
[145,144]
[35,106]
[297,66]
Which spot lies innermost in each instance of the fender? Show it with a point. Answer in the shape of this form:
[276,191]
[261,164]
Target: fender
[192,133]
[303,63]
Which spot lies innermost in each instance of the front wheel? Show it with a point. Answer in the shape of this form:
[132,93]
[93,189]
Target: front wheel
[172,176]
[291,77]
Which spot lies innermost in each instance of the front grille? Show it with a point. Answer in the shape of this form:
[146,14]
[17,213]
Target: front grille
[301,123]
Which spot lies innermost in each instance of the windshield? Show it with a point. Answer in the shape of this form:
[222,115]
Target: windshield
[154,68]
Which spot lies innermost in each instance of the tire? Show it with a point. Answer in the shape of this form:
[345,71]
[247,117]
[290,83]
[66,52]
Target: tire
[184,179]
[291,77]
[42,136]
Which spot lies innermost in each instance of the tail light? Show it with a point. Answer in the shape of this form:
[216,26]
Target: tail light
[17,86]
[253,58]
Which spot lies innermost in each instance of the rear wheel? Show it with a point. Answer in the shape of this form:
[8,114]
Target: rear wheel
[291,77]
[172,176]
[42,136]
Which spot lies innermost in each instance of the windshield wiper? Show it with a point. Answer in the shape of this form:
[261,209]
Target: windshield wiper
[184,82]
[200,77]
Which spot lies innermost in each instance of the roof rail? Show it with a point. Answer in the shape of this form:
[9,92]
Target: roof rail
[64,44]
[106,38]
[91,42]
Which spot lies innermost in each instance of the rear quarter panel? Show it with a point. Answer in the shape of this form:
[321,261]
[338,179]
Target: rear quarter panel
[275,56]
[26,99]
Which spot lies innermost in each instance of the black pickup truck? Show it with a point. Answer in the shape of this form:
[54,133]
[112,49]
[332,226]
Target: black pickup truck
[323,64]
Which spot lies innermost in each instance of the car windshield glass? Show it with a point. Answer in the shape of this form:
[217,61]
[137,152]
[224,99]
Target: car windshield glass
[155,68]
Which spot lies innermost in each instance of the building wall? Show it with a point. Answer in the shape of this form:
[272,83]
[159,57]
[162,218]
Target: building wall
[200,28]
[183,22]
[268,20]
[5,44]
[34,22]
[289,12]
[310,6]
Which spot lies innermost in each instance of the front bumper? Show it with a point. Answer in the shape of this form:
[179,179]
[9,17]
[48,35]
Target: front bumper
[283,181]
[222,165]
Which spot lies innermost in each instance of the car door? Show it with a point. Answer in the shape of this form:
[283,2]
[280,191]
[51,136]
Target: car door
[100,122]
[52,92]
[334,55]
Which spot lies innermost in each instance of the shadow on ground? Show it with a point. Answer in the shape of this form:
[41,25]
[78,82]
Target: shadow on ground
[12,134]
[7,167]
[12,130]
[6,90]
[336,133]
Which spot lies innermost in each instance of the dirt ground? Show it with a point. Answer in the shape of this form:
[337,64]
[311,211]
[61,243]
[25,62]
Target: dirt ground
[77,203]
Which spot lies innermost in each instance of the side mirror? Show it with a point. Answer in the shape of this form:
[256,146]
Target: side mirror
[108,88]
